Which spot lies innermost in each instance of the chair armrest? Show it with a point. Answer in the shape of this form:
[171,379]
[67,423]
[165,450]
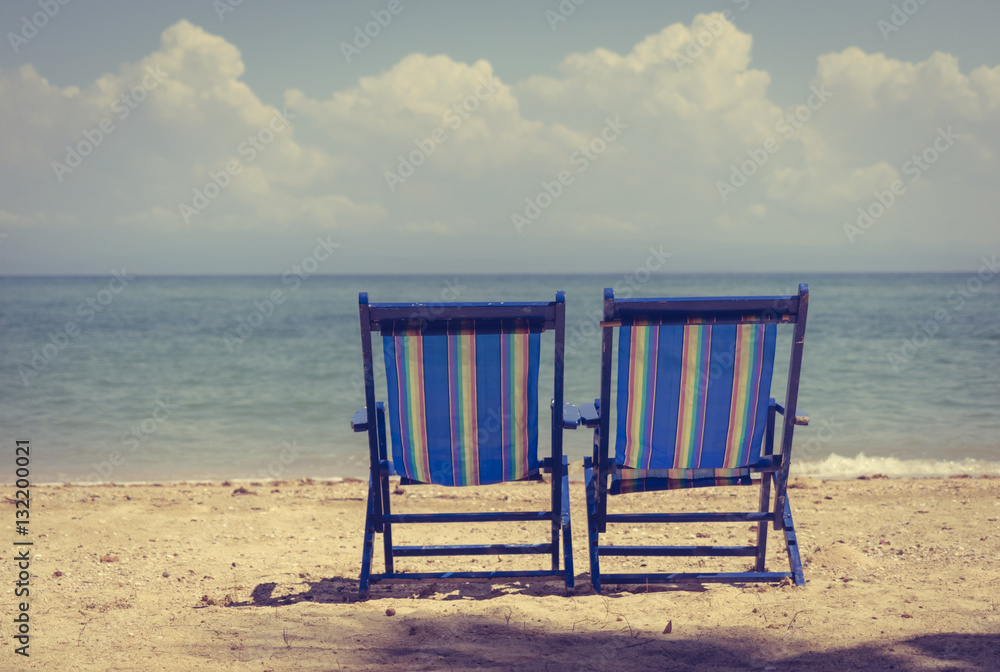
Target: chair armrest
[571,416]
[767,463]
[801,417]
[359,423]
[590,415]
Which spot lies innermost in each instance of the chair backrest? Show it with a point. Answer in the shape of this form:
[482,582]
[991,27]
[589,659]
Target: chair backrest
[694,377]
[462,384]
[692,396]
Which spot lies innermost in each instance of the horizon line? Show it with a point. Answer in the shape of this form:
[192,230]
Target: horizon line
[8,276]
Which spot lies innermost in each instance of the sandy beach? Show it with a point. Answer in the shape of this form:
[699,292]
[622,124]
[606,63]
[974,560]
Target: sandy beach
[902,574]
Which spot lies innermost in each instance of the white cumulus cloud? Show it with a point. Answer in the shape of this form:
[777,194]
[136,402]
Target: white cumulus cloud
[435,152]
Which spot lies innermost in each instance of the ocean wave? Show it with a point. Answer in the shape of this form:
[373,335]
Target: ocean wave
[839,466]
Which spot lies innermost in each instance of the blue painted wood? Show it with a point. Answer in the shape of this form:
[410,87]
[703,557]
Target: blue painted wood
[590,485]
[571,416]
[680,551]
[602,434]
[791,541]
[429,317]
[772,409]
[766,463]
[801,418]
[567,534]
[697,517]
[428,313]
[386,505]
[763,504]
[791,401]
[781,305]
[558,406]
[368,547]
[704,318]
[714,310]
[359,422]
[699,577]
[478,517]
[370,407]
[471,549]
[773,466]
[589,415]
[463,576]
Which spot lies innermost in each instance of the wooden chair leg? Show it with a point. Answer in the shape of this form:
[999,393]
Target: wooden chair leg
[387,547]
[567,533]
[368,548]
[764,507]
[792,544]
[592,525]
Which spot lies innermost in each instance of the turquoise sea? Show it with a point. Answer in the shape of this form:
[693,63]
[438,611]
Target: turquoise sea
[171,378]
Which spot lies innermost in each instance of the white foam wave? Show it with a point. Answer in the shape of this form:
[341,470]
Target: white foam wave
[838,466]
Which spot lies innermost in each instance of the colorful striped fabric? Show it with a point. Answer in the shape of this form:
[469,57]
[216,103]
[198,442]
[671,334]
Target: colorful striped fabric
[693,396]
[653,480]
[463,403]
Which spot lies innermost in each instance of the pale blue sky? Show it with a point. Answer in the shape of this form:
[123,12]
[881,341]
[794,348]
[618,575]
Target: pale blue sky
[657,184]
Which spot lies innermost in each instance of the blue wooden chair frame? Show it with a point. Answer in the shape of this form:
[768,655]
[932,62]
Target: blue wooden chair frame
[371,419]
[772,467]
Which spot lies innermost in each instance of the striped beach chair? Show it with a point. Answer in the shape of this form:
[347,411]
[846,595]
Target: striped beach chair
[462,403]
[693,409]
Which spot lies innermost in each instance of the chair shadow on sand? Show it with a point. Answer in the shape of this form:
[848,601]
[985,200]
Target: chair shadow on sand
[455,641]
[343,589]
